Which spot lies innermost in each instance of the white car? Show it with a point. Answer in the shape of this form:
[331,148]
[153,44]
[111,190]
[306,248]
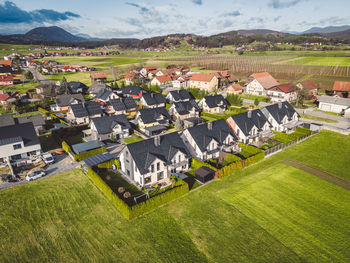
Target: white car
[48,158]
[35,175]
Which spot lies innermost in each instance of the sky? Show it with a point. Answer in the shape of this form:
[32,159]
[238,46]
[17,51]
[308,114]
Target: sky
[143,19]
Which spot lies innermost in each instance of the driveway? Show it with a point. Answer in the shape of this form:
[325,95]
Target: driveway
[39,77]
[62,164]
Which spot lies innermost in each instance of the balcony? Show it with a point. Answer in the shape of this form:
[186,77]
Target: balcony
[178,164]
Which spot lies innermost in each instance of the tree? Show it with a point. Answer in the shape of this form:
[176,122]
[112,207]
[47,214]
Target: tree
[179,124]
[302,95]
[256,102]
[29,75]
[234,99]
[63,89]
[123,85]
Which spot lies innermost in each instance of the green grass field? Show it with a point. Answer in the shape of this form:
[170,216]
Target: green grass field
[321,61]
[267,212]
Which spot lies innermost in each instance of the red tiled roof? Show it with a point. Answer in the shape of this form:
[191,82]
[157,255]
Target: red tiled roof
[163,79]
[265,79]
[130,75]
[98,75]
[150,68]
[6,77]
[341,86]
[6,62]
[232,78]
[235,87]
[309,84]
[286,88]
[4,97]
[202,77]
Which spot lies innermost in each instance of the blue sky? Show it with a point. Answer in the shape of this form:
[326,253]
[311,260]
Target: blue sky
[141,19]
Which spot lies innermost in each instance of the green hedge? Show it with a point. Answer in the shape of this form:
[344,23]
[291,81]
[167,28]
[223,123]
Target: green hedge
[229,169]
[109,164]
[143,207]
[84,155]
[119,203]
[255,158]
[248,150]
[195,164]
[231,158]
[66,147]
[42,110]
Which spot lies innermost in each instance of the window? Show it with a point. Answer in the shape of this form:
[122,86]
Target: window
[128,173]
[179,158]
[147,180]
[212,146]
[160,176]
[237,132]
[127,157]
[16,157]
[152,168]
[135,168]
[17,146]
[31,153]
[158,166]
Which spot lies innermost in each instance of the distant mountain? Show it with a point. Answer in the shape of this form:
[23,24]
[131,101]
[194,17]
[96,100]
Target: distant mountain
[339,35]
[261,32]
[324,30]
[52,33]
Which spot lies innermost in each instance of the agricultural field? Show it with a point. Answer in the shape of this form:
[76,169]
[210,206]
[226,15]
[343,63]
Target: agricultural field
[321,61]
[293,216]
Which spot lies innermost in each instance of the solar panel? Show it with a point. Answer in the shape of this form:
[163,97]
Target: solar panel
[129,103]
[78,110]
[118,104]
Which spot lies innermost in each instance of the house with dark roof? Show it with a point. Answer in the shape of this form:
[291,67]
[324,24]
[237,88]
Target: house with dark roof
[77,87]
[152,100]
[152,161]
[122,106]
[282,116]
[178,95]
[250,127]
[37,120]
[135,92]
[19,142]
[81,113]
[208,140]
[113,127]
[214,104]
[259,83]
[309,86]
[283,92]
[153,120]
[95,88]
[184,110]
[7,120]
[105,95]
[63,101]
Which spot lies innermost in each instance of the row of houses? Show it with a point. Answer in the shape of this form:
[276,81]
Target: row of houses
[152,161]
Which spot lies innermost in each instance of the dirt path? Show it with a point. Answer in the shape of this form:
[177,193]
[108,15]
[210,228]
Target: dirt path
[288,60]
[320,174]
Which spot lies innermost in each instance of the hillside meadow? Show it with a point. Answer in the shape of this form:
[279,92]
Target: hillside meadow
[268,212]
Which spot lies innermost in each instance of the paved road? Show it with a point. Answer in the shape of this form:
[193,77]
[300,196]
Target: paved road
[261,103]
[62,164]
[39,77]
[320,114]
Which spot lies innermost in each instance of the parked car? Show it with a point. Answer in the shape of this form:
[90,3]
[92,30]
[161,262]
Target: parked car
[47,158]
[35,175]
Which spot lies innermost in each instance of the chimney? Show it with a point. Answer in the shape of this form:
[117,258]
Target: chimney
[157,140]
[249,113]
[280,105]
[210,126]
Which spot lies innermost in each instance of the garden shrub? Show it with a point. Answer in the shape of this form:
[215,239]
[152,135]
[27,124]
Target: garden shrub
[248,150]
[229,169]
[109,164]
[84,155]
[66,147]
[195,164]
[231,158]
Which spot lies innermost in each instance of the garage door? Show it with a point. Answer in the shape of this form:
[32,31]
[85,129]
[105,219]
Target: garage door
[326,107]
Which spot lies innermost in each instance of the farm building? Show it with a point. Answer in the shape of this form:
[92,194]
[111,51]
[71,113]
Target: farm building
[333,104]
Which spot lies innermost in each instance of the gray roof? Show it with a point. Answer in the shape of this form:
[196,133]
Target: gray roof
[17,133]
[74,86]
[66,99]
[78,110]
[180,95]
[87,146]
[246,123]
[214,101]
[104,94]
[153,98]
[36,119]
[96,87]
[6,120]
[151,115]
[122,104]
[334,100]
[132,90]
[99,158]
[184,107]
[279,110]
[146,151]
[105,124]
[93,108]
[204,133]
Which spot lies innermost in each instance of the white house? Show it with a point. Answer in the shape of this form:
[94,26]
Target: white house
[152,161]
[333,104]
[259,83]
[283,92]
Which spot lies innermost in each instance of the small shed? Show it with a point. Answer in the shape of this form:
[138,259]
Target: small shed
[99,158]
[87,146]
[204,174]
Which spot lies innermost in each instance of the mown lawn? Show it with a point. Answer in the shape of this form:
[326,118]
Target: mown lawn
[322,61]
[133,138]
[310,117]
[65,218]
[305,213]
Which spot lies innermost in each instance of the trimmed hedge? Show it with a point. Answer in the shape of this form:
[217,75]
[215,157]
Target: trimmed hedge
[119,203]
[229,169]
[255,158]
[66,147]
[231,158]
[84,155]
[180,188]
[109,164]
[195,164]
[248,150]
[215,116]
